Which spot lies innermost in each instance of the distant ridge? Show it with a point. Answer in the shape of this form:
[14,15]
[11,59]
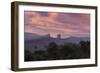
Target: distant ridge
[33,36]
[32,40]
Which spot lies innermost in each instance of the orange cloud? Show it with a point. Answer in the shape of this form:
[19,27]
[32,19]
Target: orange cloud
[53,15]
[38,20]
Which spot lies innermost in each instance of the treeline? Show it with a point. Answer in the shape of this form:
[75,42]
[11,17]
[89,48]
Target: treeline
[60,52]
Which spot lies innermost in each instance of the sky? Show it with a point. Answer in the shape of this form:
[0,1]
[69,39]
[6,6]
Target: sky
[54,23]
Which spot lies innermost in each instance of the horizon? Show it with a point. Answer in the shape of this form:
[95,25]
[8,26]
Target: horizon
[57,35]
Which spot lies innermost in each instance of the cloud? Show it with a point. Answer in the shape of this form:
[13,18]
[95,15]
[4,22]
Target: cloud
[69,24]
[53,15]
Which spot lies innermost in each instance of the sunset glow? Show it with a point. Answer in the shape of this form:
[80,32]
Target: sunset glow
[54,23]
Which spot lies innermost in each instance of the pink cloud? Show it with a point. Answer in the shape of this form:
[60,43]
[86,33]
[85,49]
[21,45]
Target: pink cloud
[53,15]
[55,23]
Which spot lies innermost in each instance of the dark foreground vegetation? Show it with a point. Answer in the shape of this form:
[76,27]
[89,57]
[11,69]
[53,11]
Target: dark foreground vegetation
[60,52]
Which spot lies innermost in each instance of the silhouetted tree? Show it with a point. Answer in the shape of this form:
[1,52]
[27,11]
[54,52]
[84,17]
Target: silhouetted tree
[85,47]
[39,55]
[67,51]
[35,47]
[28,56]
[53,51]
[57,52]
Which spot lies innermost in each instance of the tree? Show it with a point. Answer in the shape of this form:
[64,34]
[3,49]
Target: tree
[28,56]
[53,51]
[40,55]
[67,51]
[35,47]
[85,47]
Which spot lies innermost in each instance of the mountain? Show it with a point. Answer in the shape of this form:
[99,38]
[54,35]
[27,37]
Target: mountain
[45,39]
[77,39]
[33,36]
[30,36]
[33,40]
